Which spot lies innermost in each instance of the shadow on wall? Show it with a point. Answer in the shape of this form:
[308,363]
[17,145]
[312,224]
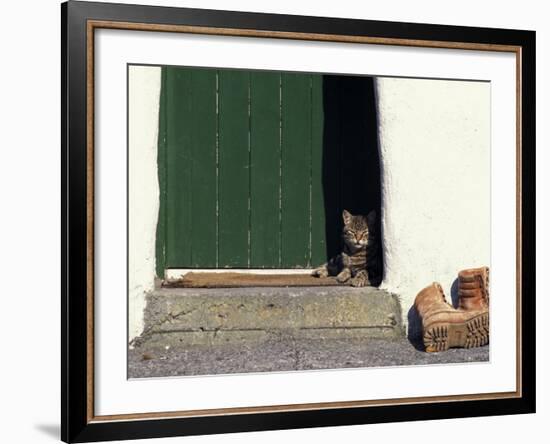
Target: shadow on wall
[351,164]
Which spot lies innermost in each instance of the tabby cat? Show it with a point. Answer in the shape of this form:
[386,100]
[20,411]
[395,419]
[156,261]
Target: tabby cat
[358,263]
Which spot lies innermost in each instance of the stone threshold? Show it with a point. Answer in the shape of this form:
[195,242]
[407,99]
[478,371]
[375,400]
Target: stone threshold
[207,316]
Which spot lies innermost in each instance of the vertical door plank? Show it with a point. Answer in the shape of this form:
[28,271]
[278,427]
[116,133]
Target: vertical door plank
[178,164]
[191,168]
[203,127]
[160,244]
[265,151]
[233,169]
[296,170]
[318,238]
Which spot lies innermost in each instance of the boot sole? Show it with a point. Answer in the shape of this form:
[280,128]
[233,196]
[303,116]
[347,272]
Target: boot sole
[467,334]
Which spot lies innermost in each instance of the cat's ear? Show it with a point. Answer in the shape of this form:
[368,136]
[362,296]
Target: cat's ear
[346,215]
[371,218]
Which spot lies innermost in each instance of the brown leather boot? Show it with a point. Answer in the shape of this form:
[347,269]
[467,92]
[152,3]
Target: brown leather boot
[473,289]
[445,327]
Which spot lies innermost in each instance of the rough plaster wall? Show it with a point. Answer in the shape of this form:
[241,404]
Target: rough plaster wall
[435,158]
[143,195]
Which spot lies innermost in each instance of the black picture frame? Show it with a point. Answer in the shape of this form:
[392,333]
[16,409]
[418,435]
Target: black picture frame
[77,423]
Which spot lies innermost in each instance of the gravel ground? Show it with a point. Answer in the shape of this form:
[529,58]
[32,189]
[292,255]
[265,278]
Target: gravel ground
[287,354]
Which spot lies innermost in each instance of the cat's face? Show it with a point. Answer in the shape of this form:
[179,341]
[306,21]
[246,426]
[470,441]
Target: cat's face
[356,229]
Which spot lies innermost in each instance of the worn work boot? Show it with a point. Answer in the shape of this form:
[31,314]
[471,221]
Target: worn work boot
[445,327]
[473,289]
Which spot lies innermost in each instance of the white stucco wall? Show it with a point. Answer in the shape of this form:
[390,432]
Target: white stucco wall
[435,158]
[143,193]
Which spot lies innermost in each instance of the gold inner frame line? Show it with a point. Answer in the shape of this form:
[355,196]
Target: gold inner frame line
[92,25]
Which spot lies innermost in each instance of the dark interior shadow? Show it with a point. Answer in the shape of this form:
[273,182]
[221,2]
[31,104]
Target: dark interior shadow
[351,165]
[52,430]
[414,329]
[454,293]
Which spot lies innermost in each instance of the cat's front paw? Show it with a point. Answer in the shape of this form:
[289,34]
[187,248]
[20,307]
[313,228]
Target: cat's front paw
[361,279]
[343,276]
[359,282]
[320,272]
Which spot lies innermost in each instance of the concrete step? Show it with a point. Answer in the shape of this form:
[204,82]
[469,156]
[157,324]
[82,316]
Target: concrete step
[175,316]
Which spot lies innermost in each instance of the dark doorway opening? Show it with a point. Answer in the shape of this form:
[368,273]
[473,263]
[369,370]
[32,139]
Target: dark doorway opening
[351,164]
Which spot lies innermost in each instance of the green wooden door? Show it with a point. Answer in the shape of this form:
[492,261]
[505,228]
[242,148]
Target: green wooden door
[240,164]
